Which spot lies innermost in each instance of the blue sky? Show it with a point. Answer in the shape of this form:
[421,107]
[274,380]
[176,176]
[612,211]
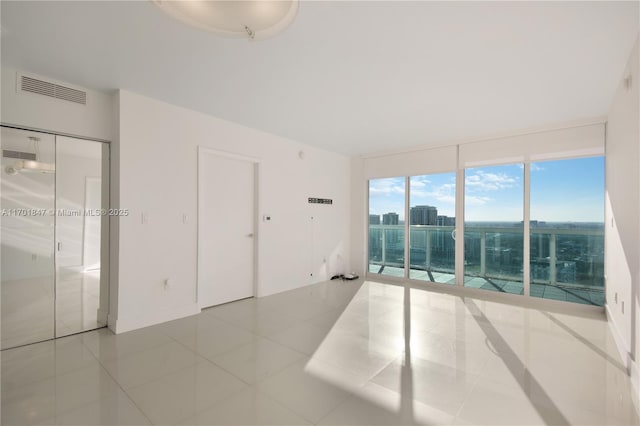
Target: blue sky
[439,190]
[561,191]
[568,191]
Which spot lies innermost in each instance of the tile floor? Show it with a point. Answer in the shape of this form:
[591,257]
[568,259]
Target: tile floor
[335,353]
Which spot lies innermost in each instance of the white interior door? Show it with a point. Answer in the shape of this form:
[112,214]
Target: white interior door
[226,216]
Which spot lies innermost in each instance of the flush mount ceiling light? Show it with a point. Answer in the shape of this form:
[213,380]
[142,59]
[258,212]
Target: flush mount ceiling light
[258,19]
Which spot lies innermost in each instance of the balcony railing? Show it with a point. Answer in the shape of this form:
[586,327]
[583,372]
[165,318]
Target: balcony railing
[567,256]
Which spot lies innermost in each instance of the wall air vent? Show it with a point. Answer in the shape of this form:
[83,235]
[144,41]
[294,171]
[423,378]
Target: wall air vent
[52,90]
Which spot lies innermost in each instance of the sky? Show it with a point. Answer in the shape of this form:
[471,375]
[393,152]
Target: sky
[561,191]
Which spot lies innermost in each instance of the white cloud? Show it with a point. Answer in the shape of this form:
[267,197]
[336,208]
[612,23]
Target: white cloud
[444,193]
[472,200]
[386,187]
[482,181]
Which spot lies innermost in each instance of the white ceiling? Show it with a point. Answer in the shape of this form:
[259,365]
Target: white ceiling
[352,77]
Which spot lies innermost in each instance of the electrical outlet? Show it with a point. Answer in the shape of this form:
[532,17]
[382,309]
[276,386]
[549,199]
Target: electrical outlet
[628,83]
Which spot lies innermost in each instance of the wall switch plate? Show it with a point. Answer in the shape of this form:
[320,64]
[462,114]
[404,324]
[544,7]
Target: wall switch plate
[144,218]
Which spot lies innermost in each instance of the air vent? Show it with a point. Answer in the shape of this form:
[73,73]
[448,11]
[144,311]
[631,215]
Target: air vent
[52,90]
[19,155]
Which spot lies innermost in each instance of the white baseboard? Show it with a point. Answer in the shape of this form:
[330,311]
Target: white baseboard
[625,354]
[635,385]
[122,325]
[621,345]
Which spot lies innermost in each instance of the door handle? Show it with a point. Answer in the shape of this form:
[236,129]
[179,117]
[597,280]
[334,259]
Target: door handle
[59,245]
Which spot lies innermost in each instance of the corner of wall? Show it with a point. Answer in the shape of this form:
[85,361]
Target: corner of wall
[114,221]
[357,225]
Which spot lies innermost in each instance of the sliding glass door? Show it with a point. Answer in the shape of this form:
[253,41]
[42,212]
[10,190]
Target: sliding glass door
[387,226]
[432,227]
[567,230]
[493,228]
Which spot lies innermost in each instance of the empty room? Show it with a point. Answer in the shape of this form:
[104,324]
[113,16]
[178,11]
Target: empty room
[297,212]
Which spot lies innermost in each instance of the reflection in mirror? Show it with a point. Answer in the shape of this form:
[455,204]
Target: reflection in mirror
[79,223]
[27,202]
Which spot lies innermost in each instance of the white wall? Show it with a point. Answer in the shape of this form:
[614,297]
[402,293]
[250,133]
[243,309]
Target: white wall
[29,110]
[622,214]
[157,155]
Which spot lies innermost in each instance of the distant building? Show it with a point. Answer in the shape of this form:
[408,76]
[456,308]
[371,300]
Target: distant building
[374,219]
[424,215]
[446,221]
[390,219]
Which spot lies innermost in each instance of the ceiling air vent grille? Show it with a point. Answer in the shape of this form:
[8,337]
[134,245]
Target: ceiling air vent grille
[46,88]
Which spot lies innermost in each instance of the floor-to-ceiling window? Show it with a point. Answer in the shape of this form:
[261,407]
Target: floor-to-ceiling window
[432,224]
[567,230]
[518,218]
[386,226]
[493,228]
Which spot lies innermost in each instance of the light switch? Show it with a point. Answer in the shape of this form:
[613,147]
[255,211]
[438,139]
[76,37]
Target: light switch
[144,218]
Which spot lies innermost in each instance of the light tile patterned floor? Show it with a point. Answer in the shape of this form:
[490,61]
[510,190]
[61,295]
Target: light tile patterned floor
[333,353]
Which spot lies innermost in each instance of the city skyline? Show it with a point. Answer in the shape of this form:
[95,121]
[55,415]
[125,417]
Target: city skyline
[561,191]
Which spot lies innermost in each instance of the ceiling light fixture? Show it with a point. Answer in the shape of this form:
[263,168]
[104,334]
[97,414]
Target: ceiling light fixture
[31,166]
[254,19]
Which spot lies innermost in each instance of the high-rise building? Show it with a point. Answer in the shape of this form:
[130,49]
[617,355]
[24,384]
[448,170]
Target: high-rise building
[446,221]
[424,215]
[374,219]
[390,218]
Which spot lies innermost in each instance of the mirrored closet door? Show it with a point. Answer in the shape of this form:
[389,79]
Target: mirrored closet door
[54,237]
